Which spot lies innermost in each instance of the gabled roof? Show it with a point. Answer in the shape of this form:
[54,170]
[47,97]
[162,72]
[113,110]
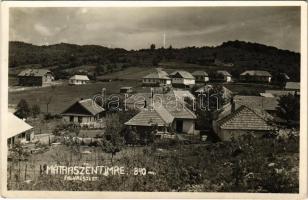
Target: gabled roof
[257,102]
[16,126]
[180,111]
[245,118]
[270,95]
[183,74]
[199,73]
[279,93]
[204,89]
[182,94]
[292,86]
[80,77]
[223,72]
[158,74]
[256,73]
[88,104]
[150,116]
[34,72]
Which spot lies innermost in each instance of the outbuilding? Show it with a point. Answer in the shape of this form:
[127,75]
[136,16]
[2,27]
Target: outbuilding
[35,77]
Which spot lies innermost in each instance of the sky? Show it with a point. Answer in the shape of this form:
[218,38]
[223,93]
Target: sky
[139,27]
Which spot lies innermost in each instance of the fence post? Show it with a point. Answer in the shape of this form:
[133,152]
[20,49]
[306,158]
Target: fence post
[26,172]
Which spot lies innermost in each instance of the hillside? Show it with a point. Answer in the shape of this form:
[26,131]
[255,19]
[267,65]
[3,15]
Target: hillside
[236,56]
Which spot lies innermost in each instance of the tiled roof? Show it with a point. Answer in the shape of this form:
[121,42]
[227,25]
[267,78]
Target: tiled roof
[199,73]
[80,77]
[182,94]
[245,118]
[265,94]
[88,104]
[256,73]
[181,112]
[16,126]
[223,72]
[158,74]
[257,102]
[34,72]
[183,74]
[292,86]
[279,93]
[148,117]
[173,104]
[204,89]
[91,106]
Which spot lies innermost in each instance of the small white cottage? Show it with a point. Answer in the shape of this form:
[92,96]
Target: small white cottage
[18,130]
[78,80]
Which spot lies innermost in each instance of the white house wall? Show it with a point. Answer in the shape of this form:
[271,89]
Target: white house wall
[188,126]
[183,81]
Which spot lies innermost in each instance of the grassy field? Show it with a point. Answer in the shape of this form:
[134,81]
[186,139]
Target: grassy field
[64,95]
[131,73]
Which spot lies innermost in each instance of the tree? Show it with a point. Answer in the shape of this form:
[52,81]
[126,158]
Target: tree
[112,141]
[49,98]
[289,108]
[279,79]
[23,110]
[35,110]
[152,47]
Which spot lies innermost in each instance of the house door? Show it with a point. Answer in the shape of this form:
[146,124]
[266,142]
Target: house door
[28,137]
[179,126]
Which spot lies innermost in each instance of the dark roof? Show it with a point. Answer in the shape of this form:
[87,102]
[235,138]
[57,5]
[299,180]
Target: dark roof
[199,73]
[34,72]
[256,73]
[245,118]
[158,74]
[183,74]
[257,102]
[223,72]
[292,86]
[88,104]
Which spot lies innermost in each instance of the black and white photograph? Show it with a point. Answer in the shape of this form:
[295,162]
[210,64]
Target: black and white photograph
[157,98]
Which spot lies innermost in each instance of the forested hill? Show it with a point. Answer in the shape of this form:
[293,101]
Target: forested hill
[236,56]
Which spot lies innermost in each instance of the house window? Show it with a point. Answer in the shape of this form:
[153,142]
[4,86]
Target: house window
[79,119]
[71,118]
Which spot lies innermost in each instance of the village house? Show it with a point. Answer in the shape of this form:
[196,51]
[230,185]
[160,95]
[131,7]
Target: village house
[125,90]
[182,79]
[236,121]
[268,104]
[18,130]
[168,119]
[256,76]
[201,76]
[226,93]
[222,75]
[157,78]
[85,112]
[35,77]
[78,80]
[293,86]
[139,101]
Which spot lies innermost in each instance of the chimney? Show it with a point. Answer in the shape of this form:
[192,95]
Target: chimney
[232,105]
[103,96]
[152,93]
